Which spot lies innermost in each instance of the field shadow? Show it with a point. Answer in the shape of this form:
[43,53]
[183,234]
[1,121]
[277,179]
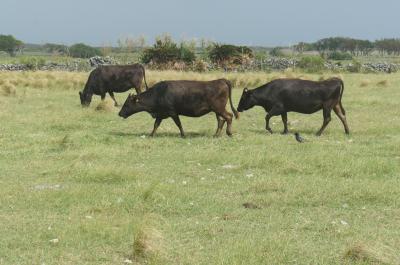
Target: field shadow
[160,134]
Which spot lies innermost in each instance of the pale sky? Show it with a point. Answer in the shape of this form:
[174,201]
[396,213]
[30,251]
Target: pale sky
[251,22]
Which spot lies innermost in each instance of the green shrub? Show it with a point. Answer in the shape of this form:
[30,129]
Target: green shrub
[276,52]
[311,63]
[33,63]
[165,50]
[340,56]
[222,54]
[81,50]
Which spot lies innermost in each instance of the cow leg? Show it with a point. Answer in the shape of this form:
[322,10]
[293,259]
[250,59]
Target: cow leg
[327,119]
[156,124]
[221,122]
[338,111]
[276,110]
[138,90]
[178,123]
[103,96]
[267,118]
[284,120]
[228,118]
[113,98]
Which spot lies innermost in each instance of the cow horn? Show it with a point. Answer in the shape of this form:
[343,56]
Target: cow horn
[245,89]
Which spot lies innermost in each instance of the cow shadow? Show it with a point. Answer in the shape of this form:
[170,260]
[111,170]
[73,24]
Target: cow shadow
[279,131]
[160,134]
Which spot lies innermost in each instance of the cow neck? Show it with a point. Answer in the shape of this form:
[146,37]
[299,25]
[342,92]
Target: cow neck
[149,100]
[259,95]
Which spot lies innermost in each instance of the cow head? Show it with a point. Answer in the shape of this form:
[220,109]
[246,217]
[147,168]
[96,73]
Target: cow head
[86,98]
[247,100]
[131,106]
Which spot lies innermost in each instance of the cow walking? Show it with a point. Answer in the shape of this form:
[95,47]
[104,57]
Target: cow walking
[113,78]
[281,96]
[188,98]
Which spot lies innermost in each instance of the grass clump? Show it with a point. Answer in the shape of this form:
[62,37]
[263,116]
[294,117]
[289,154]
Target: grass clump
[383,83]
[148,241]
[8,89]
[106,105]
[372,255]
[365,83]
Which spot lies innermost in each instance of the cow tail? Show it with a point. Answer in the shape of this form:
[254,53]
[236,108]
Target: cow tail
[144,77]
[340,98]
[235,112]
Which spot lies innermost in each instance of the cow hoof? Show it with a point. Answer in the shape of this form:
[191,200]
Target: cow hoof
[284,133]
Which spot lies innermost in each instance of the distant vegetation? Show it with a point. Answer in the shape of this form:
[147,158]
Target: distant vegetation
[335,54]
[355,47]
[81,50]
[229,54]
[10,44]
[165,50]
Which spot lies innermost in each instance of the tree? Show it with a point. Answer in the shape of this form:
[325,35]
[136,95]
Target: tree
[81,50]
[9,44]
[56,48]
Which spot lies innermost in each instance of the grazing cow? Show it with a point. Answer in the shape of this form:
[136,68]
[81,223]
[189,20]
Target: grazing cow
[189,98]
[112,78]
[281,96]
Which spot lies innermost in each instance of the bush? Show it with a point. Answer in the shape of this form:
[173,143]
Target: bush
[340,56]
[81,50]
[165,50]
[225,54]
[276,52]
[354,67]
[33,63]
[311,63]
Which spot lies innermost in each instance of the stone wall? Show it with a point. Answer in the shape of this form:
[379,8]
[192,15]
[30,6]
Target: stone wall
[274,63]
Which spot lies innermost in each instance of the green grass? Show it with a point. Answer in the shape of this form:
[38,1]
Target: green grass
[109,193]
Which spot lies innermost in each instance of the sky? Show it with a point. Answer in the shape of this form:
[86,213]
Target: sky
[250,22]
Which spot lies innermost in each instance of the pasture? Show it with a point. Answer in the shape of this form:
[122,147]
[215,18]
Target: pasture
[83,186]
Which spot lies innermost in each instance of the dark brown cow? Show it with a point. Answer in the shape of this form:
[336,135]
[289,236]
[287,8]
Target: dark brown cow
[189,98]
[281,96]
[112,78]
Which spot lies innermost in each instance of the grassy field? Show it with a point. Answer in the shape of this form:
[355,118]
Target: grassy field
[82,186]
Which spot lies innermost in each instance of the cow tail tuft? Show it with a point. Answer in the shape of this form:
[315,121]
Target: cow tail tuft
[340,98]
[235,112]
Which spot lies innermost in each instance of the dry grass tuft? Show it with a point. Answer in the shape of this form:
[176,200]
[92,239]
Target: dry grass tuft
[8,89]
[106,105]
[365,83]
[148,242]
[372,255]
[383,83]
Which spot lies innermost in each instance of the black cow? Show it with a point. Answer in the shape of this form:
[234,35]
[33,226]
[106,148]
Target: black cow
[112,78]
[189,98]
[281,96]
